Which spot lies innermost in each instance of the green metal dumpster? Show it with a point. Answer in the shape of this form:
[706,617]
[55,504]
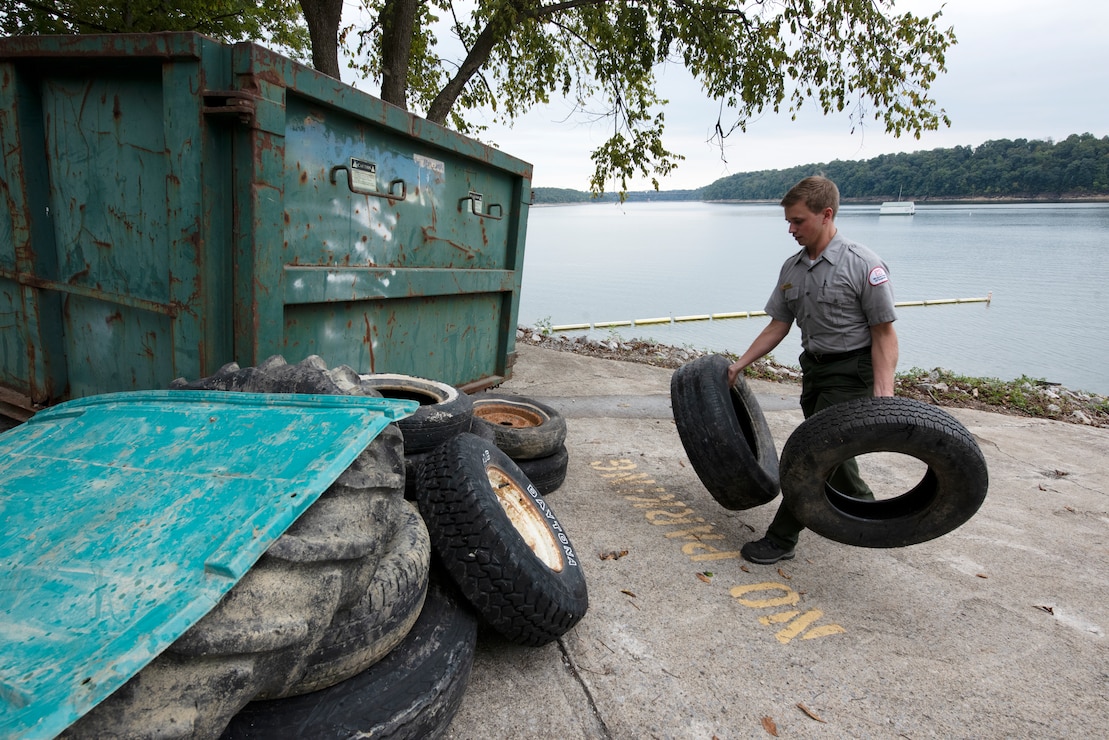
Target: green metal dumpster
[174,204]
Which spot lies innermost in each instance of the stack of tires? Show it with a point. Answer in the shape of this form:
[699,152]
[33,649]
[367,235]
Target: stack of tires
[531,433]
[491,529]
[362,618]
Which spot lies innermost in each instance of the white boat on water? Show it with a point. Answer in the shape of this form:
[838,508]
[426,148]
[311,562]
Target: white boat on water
[897,208]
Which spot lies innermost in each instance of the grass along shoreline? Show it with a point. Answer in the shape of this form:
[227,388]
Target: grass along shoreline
[1029,397]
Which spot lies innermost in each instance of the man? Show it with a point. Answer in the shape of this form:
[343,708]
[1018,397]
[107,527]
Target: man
[839,294]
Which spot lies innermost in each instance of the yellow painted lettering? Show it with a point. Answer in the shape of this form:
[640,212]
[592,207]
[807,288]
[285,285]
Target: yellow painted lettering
[711,553]
[778,618]
[672,522]
[674,516]
[798,625]
[789,598]
[643,502]
[720,555]
[695,533]
[619,464]
[628,478]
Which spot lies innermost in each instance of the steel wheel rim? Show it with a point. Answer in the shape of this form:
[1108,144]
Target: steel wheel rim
[526,518]
[505,415]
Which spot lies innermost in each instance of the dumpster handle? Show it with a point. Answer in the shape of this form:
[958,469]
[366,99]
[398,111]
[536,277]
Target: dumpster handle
[390,194]
[475,206]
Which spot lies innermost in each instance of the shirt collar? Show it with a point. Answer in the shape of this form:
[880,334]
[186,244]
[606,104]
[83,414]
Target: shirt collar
[835,248]
[831,253]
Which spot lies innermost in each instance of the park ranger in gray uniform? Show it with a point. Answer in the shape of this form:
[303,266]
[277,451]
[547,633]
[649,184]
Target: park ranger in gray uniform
[839,294]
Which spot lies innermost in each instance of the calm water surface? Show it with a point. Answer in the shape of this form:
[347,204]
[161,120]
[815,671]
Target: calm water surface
[1046,266]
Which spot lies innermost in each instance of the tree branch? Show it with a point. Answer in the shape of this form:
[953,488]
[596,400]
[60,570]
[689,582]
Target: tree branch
[476,57]
[484,44]
[53,11]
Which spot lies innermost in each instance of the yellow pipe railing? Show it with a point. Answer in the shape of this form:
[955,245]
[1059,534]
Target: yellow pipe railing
[740,315]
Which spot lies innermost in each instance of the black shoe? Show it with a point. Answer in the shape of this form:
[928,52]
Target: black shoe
[765,552]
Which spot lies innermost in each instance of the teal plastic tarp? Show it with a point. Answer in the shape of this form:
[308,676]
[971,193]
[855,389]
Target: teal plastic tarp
[126,517]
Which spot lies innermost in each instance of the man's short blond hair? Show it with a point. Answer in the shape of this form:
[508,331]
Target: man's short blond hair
[816,192]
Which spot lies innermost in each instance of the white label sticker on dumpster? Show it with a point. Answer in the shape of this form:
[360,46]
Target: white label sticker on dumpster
[363,175]
[427,163]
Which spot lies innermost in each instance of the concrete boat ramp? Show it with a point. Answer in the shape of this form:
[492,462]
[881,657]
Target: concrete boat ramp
[996,630]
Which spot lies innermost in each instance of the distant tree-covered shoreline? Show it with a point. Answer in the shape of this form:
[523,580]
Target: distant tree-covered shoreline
[1076,168]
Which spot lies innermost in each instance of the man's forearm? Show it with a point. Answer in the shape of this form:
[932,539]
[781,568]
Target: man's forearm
[883,353]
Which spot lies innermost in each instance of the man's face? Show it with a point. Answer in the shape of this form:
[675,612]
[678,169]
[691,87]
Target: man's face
[806,227]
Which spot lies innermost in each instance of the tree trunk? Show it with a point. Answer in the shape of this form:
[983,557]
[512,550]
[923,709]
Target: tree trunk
[398,18]
[478,56]
[323,17]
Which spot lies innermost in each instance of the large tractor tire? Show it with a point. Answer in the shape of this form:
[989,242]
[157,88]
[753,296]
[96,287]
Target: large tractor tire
[290,625]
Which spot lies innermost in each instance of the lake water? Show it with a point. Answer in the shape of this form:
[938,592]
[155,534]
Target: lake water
[1046,266]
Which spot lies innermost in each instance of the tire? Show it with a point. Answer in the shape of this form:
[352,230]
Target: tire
[360,518]
[444,410]
[524,579]
[949,494]
[483,430]
[262,636]
[413,692]
[363,634]
[724,433]
[413,461]
[523,428]
[547,474]
[275,375]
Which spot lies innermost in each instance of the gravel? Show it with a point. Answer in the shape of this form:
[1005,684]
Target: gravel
[1021,397]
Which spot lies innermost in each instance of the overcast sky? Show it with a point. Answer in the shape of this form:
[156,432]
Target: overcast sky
[1021,69]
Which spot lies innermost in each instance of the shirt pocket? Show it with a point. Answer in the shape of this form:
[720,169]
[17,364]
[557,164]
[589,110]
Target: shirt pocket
[835,302]
[792,298]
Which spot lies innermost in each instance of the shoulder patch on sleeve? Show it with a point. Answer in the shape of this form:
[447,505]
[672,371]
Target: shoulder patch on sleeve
[878,276]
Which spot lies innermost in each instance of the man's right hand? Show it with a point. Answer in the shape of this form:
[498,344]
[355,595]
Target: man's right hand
[733,372]
[768,339]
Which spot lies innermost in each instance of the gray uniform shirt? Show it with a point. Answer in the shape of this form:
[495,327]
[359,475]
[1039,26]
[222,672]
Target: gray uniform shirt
[835,300]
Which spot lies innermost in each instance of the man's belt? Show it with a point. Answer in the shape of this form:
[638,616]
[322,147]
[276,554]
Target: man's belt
[825,358]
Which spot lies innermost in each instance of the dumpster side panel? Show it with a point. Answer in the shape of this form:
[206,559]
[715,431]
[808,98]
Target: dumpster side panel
[32,361]
[107,167]
[125,191]
[14,342]
[121,215]
[401,243]
[376,335]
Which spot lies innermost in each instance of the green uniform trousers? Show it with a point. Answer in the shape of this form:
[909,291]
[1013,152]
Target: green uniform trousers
[823,385]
